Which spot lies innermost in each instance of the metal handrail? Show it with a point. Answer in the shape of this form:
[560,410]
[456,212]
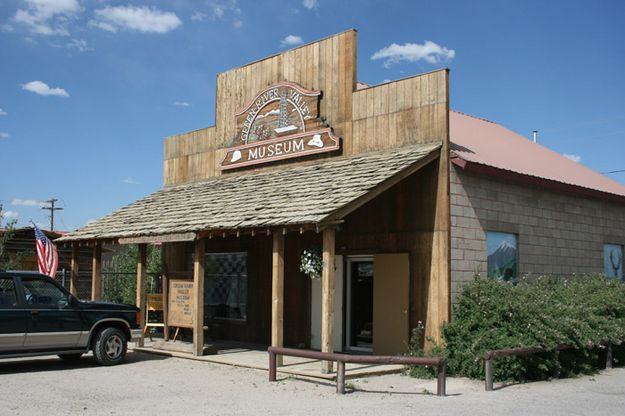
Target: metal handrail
[341,359]
[519,351]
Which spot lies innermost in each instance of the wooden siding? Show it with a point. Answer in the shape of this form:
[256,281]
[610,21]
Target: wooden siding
[399,113]
[196,155]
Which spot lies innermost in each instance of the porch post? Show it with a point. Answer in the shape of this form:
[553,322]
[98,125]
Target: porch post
[327,297]
[141,276]
[96,273]
[277,293]
[165,289]
[198,296]
[74,272]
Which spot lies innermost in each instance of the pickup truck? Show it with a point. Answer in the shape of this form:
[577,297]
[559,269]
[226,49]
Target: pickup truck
[38,316]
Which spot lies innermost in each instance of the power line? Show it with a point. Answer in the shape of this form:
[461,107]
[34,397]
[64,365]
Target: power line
[52,208]
[614,171]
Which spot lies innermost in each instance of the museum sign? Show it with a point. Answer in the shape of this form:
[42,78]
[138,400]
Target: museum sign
[281,122]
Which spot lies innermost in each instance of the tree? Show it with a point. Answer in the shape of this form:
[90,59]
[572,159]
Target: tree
[7,231]
[119,277]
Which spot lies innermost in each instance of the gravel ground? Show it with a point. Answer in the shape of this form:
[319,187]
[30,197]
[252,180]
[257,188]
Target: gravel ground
[155,385]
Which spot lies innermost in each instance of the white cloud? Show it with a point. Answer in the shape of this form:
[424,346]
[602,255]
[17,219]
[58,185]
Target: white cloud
[79,44]
[4,135]
[47,17]
[574,158]
[291,40]
[310,4]
[5,27]
[182,104]
[10,215]
[130,181]
[42,88]
[27,203]
[2,112]
[429,52]
[222,9]
[140,18]
[198,16]
[219,8]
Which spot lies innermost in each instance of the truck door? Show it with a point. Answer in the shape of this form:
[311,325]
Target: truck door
[12,316]
[53,322]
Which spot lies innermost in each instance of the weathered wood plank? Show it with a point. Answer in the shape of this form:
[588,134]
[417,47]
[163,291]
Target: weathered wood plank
[74,272]
[142,260]
[327,296]
[277,292]
[198,296]
[96,273]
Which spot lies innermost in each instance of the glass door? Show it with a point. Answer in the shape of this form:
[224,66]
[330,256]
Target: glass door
[359,319]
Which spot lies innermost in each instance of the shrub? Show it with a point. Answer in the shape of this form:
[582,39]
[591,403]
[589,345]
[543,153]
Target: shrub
[582,312]
[415,350]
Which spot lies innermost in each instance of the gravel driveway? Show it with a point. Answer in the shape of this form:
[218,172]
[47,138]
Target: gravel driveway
[155,385]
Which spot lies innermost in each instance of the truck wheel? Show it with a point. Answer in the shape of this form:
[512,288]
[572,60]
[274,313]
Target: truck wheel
[70,357]
[110,346]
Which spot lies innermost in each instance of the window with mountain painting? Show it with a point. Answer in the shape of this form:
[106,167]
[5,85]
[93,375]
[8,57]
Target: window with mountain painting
[613,261]
[502,256]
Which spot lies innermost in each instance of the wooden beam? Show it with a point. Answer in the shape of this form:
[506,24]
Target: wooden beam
[152,239]
[327,297]
[74,272]
[439,285]
[198,296]
[165,288]
[142,260]
[96,273]
[277,293]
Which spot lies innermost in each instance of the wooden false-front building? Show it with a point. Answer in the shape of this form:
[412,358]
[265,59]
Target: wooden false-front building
[301,159]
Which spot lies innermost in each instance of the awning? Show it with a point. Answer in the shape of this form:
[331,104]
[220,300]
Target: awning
[313,194]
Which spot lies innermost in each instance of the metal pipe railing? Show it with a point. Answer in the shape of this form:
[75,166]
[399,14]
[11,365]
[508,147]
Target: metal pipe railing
[489,356]
[341,359]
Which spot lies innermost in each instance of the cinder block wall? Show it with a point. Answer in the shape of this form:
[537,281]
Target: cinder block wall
[558,233]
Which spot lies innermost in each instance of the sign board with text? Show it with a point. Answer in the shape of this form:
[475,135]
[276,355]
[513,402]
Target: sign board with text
[180,308]
[281,122]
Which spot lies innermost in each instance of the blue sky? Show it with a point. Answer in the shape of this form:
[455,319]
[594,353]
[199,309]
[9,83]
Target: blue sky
[89,88]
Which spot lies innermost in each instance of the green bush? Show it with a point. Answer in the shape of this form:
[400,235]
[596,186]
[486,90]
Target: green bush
[583,312]
[415,350]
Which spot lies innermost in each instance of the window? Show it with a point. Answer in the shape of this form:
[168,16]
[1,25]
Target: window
[225,288]
[8,297]
[42,293]
[613,261]
[502,256]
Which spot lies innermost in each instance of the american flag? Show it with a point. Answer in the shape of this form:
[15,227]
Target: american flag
[47,257]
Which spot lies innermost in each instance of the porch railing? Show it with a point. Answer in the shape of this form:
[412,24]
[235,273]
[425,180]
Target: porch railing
[489,356]
[341,359]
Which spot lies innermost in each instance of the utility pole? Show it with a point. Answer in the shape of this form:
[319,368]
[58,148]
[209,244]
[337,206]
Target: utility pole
[52,208]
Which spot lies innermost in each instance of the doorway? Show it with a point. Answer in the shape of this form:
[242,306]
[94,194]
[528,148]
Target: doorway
[359,304]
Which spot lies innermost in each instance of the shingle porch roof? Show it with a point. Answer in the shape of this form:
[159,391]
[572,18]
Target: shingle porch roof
[295,196]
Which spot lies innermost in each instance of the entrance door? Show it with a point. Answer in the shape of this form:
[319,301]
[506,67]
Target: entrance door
[359,311]
[391,302]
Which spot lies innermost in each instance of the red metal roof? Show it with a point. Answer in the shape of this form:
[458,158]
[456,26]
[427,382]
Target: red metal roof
[485,143]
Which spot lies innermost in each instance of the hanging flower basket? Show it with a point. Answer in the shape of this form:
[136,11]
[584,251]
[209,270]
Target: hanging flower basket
[311,263]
